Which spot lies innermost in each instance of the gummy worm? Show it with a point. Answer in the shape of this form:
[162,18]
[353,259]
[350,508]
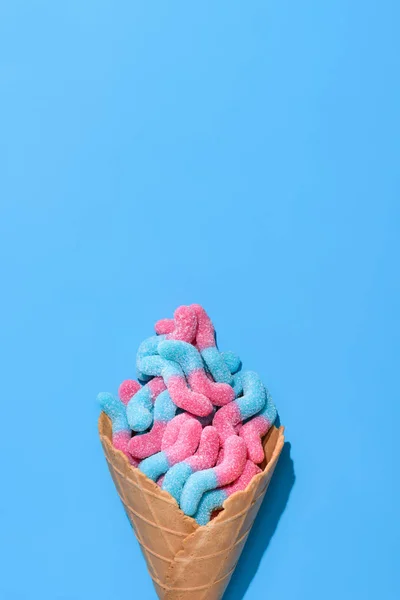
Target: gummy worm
[185,446]
[142,446]
[215,499]
[235,453]
[205,342]
[121,433]
[173,427]
[254,430]
[139,410]
[204,458]
[150,362]
[190,361]
[182,327]
[252,401]
[128,389]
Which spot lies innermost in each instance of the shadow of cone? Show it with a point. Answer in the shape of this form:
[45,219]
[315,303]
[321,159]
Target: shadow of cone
[185,561]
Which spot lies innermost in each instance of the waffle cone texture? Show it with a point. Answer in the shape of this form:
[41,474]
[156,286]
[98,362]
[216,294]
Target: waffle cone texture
[185,561]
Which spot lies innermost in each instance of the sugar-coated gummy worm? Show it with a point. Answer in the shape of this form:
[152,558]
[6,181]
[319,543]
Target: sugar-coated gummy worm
[185,445]
[252,402]
[190,361]
[182,327]
[121,433]
[128,389]
[139,410]
[149,362]
[173,427]
[204,458]
[231,467]
[215,499]
[254,430]
[142,446]
[232,361]
[205,342]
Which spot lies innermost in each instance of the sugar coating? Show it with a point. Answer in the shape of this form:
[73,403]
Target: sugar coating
[156,386]
[238,384]
[205,342]
[173,427]
[115,409]
[254,430]
[186,355]
[187,399]
[204,458]
[215,499]
[175,478]
[149,443]
[164,326]
[139,410]
[187,442]
[228,470]
[155,466]
[182,327]
[253,400]
[127,389]
[190,361]
[150,362]
[234,460]
[232,361]
[205,335]
[185,325]
[172,430]
[140,406]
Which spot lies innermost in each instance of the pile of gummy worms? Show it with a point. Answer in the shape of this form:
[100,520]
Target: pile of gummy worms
[194,420]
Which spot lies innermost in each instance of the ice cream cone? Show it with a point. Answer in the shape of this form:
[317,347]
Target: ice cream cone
[185,561]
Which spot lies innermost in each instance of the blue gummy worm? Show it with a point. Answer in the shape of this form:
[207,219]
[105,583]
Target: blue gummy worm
[164,408]
[139,410]
[254,395]
[186,355]
[176,478]
[155,465]
[195,487]
[209,502]
[232,361]
[115,409]
[216,365]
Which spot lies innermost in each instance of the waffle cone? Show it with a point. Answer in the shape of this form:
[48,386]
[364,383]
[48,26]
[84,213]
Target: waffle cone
[185,561]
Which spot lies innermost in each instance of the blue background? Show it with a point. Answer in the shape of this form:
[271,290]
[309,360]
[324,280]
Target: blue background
[240,155]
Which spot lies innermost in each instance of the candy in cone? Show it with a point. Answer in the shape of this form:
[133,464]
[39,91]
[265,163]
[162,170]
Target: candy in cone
[185,561]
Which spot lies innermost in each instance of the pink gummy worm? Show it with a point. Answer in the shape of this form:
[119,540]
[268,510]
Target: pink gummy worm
[164,326]
[160,480]
[205,336]
[235,455]
[252,432]
[226,419]
[182,327]
[121,441]
[156,386]
[172,430]
[220,456]
[250,469]
[188,400]
[142,446]
[207,451]
[128,389]
[219,393]
[187,442]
